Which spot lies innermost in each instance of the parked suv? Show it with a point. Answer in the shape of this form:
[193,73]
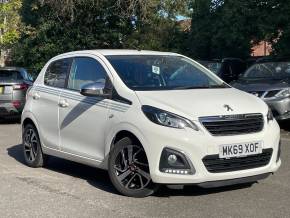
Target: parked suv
[228,69]
[14,83]
[269,79]
[148,118]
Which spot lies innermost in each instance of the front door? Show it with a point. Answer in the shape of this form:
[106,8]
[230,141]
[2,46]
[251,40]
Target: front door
[83,121]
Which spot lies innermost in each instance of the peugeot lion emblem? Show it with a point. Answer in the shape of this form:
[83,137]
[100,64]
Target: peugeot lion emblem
[228,107]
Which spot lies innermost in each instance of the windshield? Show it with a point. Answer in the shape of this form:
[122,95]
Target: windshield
[271,70]
[159,72]
[10,75]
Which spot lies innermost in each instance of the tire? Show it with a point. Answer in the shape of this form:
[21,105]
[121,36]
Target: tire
[130,176]
[32,147]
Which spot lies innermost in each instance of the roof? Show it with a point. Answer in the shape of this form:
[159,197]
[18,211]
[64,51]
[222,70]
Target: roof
[106,52]
[273,59]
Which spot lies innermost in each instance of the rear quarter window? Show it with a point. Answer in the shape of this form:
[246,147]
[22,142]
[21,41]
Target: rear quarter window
[57,72]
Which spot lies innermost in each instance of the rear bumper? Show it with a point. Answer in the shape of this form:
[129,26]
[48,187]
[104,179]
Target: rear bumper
[8,109]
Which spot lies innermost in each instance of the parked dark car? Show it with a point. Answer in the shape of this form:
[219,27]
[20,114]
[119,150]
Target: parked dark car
[228,69]
[14,83]
[269,79]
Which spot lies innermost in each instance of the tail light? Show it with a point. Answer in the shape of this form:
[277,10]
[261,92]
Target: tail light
[22,86]
[16,104]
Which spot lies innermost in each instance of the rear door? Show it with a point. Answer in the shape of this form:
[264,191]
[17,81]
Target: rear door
[46,99]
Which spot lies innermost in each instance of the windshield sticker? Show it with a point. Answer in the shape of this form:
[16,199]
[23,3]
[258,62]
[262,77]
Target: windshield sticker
[156,70]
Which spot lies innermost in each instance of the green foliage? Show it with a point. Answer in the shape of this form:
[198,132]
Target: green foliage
[55,26]
[220,28]
[9,23]
[229,28]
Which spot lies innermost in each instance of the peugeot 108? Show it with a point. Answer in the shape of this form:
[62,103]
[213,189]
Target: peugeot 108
[149,118]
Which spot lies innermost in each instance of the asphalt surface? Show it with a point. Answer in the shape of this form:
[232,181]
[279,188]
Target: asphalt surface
[67,189]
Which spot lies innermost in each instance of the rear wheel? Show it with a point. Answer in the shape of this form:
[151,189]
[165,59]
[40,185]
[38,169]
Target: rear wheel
[32,148]
[129,169]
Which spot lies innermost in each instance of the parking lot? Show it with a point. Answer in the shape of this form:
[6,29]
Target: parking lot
[67,189]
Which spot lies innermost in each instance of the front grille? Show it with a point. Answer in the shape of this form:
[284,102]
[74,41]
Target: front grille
[272,93]
[233,124]
[214,164]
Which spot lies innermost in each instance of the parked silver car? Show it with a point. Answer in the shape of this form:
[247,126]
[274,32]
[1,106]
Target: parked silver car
[269,79]
[14,83]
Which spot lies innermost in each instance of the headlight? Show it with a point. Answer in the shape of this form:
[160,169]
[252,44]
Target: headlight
[270,115]
[168,119]
[284,93]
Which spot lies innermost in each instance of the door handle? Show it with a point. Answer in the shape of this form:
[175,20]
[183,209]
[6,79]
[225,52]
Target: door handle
[63,103]
[35,96]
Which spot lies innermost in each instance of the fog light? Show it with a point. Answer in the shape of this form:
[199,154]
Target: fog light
[172,159]
[175,162]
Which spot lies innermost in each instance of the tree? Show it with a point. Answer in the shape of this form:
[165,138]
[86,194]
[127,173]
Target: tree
[9,26]
[199,40]
[223,28]
[278,28]
[94,24]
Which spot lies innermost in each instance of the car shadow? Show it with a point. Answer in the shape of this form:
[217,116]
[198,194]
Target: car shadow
[100,179]
[95,177]
[194,190]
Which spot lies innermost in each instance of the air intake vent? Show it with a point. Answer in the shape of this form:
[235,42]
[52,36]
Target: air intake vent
[272,93]
[214,164]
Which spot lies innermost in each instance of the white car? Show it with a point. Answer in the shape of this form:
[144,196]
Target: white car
[149,118]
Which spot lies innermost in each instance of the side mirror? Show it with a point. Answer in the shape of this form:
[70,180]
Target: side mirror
[94,90]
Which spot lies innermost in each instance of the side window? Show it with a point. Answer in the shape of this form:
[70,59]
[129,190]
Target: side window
[85,70]
[56,73]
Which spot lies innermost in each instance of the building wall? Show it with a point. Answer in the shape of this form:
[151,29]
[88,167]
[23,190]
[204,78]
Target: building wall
[262,49]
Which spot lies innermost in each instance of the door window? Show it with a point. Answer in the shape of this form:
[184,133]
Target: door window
[85,70]
[57,72]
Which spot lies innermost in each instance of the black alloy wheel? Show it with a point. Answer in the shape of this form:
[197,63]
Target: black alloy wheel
[31,147]
[129,169]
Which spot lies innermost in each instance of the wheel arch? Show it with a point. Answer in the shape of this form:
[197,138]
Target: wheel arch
[122,134]
[125,130]
[27,121]
[28,118]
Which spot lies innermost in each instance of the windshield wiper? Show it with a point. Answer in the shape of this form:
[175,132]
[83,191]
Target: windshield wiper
[223,85]
[191,87]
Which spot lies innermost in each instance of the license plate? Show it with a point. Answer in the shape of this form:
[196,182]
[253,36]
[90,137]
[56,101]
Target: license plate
[240,149]
[1,90]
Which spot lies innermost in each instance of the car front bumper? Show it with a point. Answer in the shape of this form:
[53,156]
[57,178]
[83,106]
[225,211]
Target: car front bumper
[280,108]
[195,145]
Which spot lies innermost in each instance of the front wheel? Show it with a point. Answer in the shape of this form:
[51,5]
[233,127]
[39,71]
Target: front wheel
[129,169]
